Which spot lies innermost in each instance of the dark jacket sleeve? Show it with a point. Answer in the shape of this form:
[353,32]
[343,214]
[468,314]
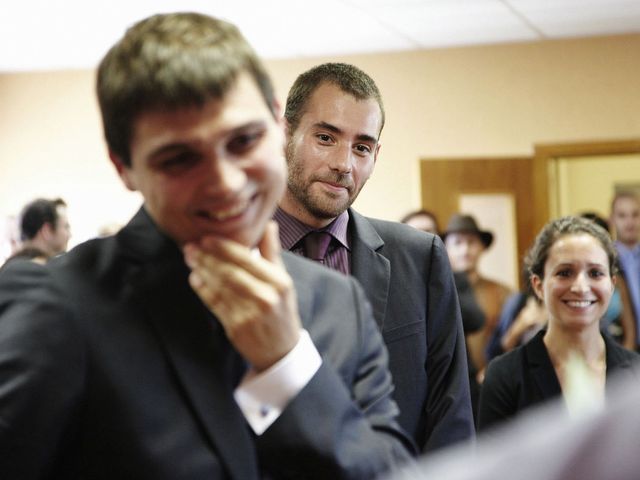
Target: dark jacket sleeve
[41,364]
[340,430]
[498,396]
[449,415]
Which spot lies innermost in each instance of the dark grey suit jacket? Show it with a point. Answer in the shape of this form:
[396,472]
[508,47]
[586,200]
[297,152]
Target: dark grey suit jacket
[525,376]
[111,367]
[408,280]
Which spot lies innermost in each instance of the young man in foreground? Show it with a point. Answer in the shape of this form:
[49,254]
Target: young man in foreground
[120,361]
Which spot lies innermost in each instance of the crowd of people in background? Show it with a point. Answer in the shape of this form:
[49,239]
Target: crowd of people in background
[514,319]
[387,341]
[561,401]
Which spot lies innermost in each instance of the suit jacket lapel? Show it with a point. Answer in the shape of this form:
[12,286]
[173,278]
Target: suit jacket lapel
[369,267]
[542,371]
[304,294]
[194,343]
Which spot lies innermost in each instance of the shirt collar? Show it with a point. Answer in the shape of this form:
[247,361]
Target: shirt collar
[293,230]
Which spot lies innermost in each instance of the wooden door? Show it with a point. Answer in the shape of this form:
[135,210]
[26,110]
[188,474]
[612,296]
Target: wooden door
[446,181]
[534,183]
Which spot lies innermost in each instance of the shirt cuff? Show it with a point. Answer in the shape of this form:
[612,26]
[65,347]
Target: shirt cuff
[262,397]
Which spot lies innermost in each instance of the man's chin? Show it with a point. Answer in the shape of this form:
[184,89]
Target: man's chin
[247,239]
[328,210]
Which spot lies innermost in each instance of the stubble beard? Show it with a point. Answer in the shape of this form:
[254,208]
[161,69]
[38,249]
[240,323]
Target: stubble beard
[320,206]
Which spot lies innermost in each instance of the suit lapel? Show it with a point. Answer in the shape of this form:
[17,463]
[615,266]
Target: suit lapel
[542,371]
[304,295]
[369,267]
[196,348]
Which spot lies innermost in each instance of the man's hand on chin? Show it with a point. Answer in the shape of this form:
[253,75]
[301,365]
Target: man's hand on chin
[252,295]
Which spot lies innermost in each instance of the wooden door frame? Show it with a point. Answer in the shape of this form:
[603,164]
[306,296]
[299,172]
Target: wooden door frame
[546,154]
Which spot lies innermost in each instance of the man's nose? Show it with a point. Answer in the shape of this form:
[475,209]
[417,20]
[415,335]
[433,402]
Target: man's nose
[224,176]
[342,159]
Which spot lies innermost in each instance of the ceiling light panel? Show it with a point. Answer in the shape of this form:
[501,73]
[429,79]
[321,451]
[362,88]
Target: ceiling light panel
[565,18]
[440,23]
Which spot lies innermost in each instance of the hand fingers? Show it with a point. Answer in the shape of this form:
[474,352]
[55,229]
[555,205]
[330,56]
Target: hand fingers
[269,244]
[216,280]
[268,269]
[253,297]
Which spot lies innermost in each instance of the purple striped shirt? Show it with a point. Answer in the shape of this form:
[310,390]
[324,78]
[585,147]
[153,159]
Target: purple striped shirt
[293,231]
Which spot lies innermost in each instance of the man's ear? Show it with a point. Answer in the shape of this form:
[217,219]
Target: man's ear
[126,174]
[276,108]
[375,155]
[278,115]
[46,231]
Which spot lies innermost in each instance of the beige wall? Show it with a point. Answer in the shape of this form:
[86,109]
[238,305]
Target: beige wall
[476,101]
[52,146]
[588,183]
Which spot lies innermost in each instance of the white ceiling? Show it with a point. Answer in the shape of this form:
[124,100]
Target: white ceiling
[62,34]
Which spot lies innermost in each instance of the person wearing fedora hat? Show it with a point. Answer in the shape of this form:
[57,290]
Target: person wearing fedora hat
[460,223]
[465,243]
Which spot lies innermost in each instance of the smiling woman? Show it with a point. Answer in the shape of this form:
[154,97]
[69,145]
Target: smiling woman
[578,284]
[572,267]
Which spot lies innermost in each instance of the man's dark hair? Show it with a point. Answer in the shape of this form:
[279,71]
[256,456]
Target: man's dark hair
[349,78]
[168,62]
[38,213]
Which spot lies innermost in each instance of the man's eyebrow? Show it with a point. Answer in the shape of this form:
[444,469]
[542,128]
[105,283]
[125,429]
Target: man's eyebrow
[169,149]
[250,125]
[328,126]
[363,137]
[367,138]
[198,143]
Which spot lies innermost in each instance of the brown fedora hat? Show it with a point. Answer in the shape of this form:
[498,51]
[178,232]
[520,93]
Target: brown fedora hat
[467,224]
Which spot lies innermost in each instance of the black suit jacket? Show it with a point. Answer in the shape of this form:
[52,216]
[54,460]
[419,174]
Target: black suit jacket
[407,278]
[525,376]
[111,367]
